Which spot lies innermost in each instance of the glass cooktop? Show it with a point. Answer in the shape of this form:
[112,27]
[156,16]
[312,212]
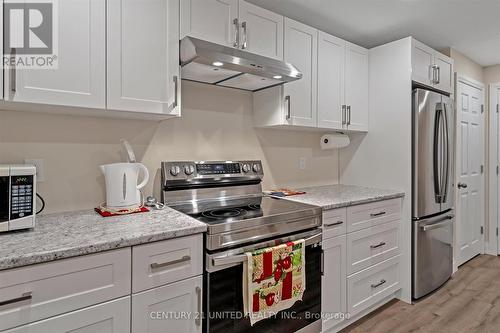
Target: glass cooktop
[224,211]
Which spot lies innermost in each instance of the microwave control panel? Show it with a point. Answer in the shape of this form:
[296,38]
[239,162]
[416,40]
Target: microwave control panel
[21,199]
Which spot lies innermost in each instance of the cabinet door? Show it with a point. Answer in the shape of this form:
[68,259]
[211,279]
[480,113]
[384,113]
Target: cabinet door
[331,70]
[111,317]
[261,31]
[356,87]
[143,56]
[301,48]
[180,298]
[422,59]
[334,283]
[80,77]
[445,72]
[210,20]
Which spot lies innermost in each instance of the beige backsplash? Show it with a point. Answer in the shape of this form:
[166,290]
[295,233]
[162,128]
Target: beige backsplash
[216,124]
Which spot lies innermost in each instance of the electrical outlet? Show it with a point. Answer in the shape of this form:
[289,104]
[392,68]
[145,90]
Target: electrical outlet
[38,163]
[302,163]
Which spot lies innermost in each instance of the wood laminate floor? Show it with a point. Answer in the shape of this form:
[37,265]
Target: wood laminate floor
[469,302]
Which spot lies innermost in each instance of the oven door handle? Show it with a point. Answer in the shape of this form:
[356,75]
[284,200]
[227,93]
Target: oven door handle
[240,258]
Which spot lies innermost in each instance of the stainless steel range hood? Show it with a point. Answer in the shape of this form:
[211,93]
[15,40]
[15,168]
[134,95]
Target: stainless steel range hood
[220,65]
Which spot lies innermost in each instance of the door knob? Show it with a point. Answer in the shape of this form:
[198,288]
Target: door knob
[462,185]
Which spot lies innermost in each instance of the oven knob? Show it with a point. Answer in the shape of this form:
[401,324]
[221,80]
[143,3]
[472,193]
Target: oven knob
[256,168]
[188,169]
[175,170]
[246,168]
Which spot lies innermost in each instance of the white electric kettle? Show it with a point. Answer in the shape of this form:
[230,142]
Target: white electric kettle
[122,191]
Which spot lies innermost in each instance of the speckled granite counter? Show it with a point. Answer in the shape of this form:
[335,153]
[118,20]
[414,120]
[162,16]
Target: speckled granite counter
[64,235]
[337,196]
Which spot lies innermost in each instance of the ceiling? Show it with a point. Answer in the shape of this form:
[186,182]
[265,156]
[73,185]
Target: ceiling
[471,27]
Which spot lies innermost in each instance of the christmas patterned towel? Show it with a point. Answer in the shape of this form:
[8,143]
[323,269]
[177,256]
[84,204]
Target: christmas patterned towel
[273,279]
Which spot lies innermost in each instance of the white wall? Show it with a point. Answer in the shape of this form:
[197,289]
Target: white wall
[382,158]
[216,124]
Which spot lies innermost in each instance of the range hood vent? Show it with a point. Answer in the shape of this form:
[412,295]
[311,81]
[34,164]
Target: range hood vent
[220,65]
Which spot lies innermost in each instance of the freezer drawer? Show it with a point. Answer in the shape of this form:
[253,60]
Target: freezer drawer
[432,253]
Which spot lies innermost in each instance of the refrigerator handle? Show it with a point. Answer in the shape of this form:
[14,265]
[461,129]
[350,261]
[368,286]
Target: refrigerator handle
[436,167]
[446,154]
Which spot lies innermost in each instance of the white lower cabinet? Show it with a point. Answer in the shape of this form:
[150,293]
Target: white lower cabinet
[333,296]
[174,308]
[372,285]
[110,317]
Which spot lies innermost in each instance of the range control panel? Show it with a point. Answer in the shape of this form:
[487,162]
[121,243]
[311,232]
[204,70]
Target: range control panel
[211,169]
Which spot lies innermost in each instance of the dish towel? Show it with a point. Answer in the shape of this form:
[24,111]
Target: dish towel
[273,279]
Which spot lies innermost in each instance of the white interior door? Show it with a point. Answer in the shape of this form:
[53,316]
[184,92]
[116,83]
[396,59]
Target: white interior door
[494,165]
[470,171]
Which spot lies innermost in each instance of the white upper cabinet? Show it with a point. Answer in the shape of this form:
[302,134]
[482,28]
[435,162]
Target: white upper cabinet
[333,91]
[261,31]
[431,68]
[234,23]
[215,21]
[80,79]
[143,56]
[301,50]
[356,87]
[444,72]
[331,75]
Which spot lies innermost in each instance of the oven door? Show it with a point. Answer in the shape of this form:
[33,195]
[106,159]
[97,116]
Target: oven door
[223,308]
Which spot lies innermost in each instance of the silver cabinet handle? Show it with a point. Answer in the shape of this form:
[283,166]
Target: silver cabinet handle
[438,74]
[24,297]
[378,245]
[237,37]
[288,112]
[344,121]
[169,263]
[377,214]
[176,91]
[13,73]
[199,315]
[462,185]
[333,224]
[376,285]
[244,44]
[348,115]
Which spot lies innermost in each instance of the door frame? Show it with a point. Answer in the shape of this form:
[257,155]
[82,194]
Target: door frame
[478,85]
[493,180]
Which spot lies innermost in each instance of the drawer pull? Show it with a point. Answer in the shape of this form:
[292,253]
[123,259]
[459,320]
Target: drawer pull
[377,214]
[334,224]
[25,297]
[199,314]
[376,285]
[169,263]
[378,245]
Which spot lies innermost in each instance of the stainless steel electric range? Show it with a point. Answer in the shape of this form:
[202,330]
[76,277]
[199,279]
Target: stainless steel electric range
[227,196]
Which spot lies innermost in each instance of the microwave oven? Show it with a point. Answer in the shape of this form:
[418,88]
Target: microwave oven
[17,197]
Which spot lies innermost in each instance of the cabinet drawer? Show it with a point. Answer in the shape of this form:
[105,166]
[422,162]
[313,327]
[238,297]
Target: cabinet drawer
[111,317]
[372,245]
[183,297]
[368,215]
[372,285]
[165,262]
[45,290]
[334,223]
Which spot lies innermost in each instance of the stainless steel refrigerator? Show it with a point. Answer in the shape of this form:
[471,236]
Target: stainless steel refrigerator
[433,195]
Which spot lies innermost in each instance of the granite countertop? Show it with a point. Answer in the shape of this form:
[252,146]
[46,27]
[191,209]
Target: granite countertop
[65,235]
[337,196]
